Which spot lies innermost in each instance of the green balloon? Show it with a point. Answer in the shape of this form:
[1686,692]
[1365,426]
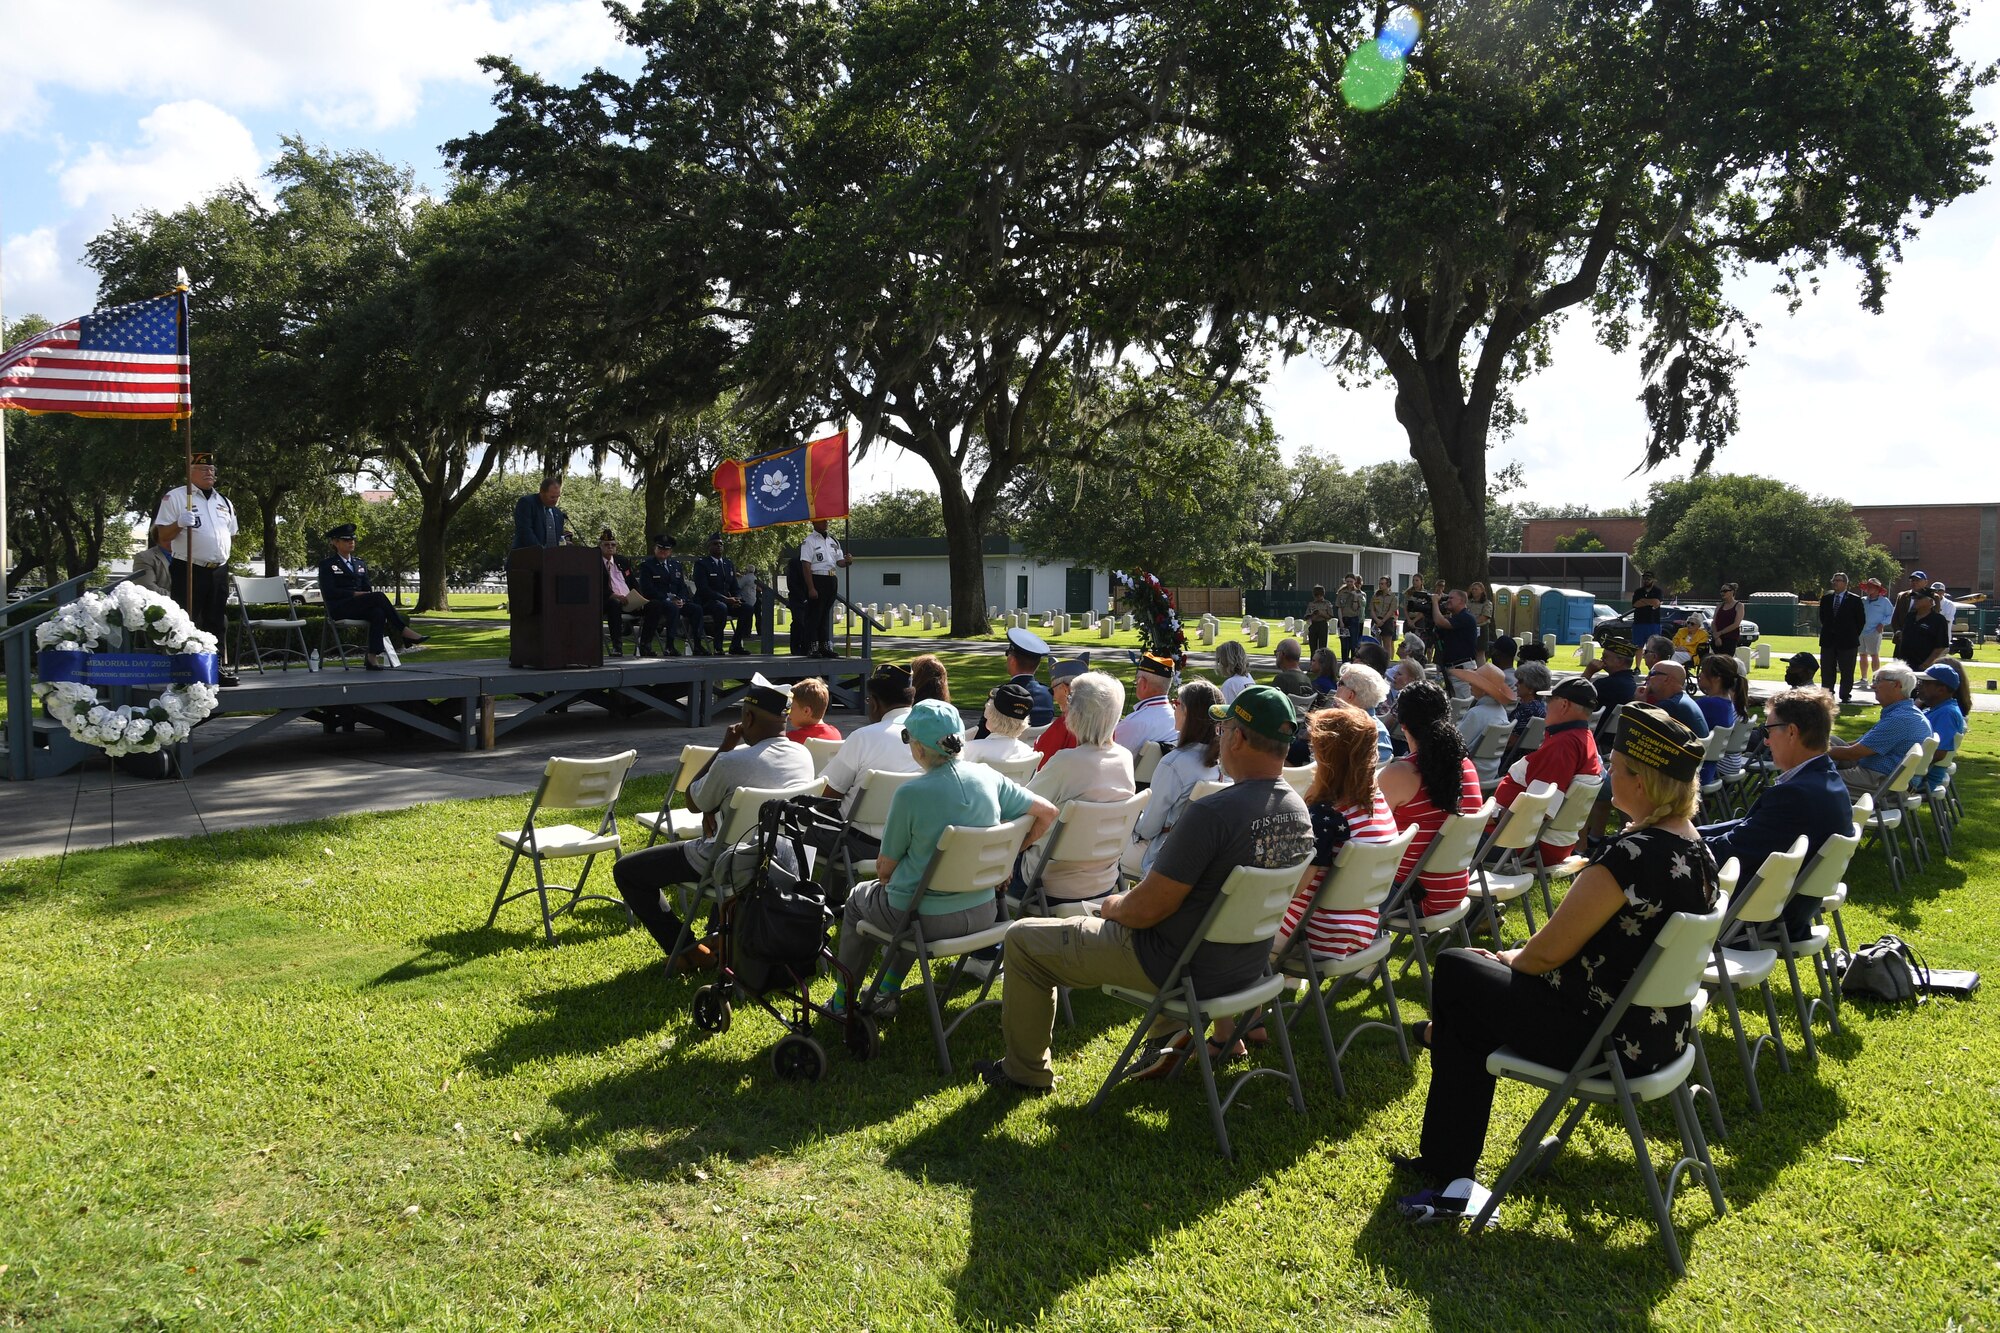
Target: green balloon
[1370,79]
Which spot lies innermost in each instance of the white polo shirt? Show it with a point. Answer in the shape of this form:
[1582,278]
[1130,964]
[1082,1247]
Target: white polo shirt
[821,554]
[207,524]
[879,745]
[1152,720]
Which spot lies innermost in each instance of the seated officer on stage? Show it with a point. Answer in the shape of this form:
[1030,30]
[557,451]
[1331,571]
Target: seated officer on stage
[344,591]
[665,587]
[721,604]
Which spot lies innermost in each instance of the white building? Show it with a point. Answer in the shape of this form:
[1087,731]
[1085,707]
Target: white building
[917,570]
[1327,563]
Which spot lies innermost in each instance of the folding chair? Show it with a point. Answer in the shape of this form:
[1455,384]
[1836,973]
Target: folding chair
[267,592]
[1248,909]
[567,784]
[1532,738]
[1033,734]
[1670,975]
[333,632]
[1821,880]
[1713,746]
[1360,878]
[736,825]
[1914,797]
[868,804]
[1451,850]
[1735,967]
[823,749]
[1206,788]
[1020,770]
[1147,762]
[1736,782]
[685,822]
[1938,795]
[967,860]
[1886,819]
[1300,777]
[1084,831]
[1504,866]
[1491,743]
[1565,825]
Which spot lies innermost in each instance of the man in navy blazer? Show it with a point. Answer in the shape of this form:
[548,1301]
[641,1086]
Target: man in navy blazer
[537,521]
[1808,796]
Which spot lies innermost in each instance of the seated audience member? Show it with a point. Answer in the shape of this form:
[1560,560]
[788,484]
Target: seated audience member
[1096,768]
[1006,717]
[929,679]
[670,610]
[1691,639]
[950,792]
[1666,689]
[1611,673]
[1725,697]
[1232,664]
[1505,654]
[1937,694]
[1057,735]
[1413,651]
[1864,763]
[1373,654]
[1326,671]
[1491,700]
[151,567]
[1289,678]
[1258,820]
[1362,687]
[754,753]
[1568,750]
[807,718]
[1531,683]
[1926,635]
[878,746]
[1152,718]
[1435,780]
[1658,648]
[1801,669]
[1195,758]
[1345,806]
[1547,998]
[1532,650]
[1806,797]
[345,594]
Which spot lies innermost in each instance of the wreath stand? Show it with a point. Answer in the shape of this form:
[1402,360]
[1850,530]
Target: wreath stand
[110,792]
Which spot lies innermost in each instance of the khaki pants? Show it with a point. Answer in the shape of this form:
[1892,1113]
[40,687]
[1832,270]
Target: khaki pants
[1042,953]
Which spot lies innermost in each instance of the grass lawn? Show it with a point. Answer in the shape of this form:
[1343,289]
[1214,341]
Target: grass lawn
[284,1079]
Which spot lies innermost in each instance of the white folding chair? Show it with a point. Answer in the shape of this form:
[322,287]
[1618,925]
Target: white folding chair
[1033,734]
[1532,738]
[1021,770]
[823,749]
[1938,795]
[1713,747]
[685,822]
[1491,743]
[1450,851]
[868,805]
[1300,777]
[1084,831]
[1886,823]
[1147,762]
[967,861]
[1914,800]
[1738,965]
[1504,867]
[1820,880]
[1206,788]
[1564,827]
[1248,909]
[1670,976]
[1359,880]
[269,592]
[567,784]
[1736,780]
[736,825]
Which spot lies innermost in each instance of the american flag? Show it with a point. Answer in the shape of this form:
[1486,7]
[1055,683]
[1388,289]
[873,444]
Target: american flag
[128,361]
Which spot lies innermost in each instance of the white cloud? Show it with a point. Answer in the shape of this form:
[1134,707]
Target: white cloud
[37,280]
[360,63]
[183,151]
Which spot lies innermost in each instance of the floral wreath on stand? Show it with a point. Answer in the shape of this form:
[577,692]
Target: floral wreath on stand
[132,638]
[1156,618]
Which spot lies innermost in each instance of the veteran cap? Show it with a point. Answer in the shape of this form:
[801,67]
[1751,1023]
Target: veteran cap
[1011,700]
[1652,738]
[768,696]
[1069,670]
[1575,690]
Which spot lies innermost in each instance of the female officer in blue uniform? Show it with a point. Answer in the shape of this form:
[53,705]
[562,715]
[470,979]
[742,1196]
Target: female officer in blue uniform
[344,590]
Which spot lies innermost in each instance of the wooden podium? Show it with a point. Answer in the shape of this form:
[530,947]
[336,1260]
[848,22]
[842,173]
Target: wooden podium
[555,606]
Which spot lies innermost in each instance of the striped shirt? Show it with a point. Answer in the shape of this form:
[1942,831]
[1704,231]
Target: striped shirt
[1337,934]
[1445,890]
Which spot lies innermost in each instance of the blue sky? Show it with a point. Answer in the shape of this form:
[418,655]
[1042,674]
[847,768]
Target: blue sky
[1896,408]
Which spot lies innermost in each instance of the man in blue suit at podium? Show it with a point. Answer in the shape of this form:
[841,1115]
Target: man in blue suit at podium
[537,521]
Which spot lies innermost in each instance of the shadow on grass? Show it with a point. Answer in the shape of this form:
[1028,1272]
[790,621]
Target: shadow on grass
[1607,1268]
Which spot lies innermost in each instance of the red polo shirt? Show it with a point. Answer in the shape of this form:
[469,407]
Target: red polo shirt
[1057,737]
[1567,752]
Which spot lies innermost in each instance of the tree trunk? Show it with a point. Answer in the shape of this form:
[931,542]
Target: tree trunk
[963,529]
[432,593]
[1449,446]
[271,562]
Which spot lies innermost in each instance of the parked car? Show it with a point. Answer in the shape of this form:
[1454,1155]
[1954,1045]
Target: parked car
[1670,620]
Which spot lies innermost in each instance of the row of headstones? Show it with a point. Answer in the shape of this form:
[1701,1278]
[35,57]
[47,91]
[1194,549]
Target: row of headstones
[1062,622]
[1749,654]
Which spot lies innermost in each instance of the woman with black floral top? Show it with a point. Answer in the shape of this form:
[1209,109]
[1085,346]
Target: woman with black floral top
[1547,998]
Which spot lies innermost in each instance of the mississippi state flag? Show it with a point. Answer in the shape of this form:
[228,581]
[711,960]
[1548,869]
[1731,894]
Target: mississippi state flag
[790,486]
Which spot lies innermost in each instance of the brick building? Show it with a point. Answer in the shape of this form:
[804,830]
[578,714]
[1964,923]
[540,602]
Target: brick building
[1954,543]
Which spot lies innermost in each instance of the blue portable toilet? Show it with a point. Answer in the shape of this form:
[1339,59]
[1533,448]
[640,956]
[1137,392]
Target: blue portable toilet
[1567,613]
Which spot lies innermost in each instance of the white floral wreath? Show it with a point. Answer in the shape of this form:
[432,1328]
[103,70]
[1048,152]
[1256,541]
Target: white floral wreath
[133,620]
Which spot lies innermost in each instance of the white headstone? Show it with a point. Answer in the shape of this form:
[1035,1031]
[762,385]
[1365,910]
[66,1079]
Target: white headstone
[927,619]
[1062,622]
[1207,632]
[1746,655]
[1586,650]
[1104,628]
[1549,642]
[1763,651]
[1263,635]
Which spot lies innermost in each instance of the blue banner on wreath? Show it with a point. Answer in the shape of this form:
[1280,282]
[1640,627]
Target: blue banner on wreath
[138,671]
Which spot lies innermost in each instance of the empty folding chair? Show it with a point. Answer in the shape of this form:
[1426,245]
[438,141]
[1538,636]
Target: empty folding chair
[823,749]
[684,822]
[1504,868]
[1740,964]
[967,860]
[1359,880]
[1820,880]
[1670,976]
[1451,850]
[567,784]
[1248,909]
[267,593]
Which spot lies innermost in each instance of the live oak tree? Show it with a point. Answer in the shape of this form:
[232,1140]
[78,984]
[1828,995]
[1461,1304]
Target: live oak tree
[1756,531]
[1621,161]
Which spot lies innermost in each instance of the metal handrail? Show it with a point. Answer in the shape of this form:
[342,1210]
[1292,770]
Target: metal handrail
[17,659]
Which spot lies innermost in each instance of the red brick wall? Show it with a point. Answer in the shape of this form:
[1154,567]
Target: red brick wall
[1617,534]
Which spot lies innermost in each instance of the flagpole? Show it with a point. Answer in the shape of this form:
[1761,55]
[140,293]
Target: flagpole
[187,446]
[3,439]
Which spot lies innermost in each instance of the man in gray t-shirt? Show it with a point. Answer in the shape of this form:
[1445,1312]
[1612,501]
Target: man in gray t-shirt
[754,753]
[1142,933]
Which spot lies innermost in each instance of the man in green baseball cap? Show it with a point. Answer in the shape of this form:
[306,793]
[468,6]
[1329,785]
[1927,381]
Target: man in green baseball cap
[1264,710]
